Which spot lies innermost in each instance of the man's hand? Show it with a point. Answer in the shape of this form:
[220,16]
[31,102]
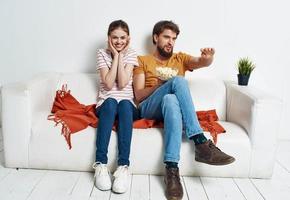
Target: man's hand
[160,82]
[207,53]
[204,60]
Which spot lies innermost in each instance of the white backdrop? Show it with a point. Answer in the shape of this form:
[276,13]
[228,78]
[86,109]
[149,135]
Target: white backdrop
[63,35]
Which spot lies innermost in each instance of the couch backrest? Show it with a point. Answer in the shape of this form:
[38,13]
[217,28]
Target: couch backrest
[206,93]
[83,86]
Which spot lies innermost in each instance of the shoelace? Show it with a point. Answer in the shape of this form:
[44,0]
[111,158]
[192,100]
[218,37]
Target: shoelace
[95,165]
[101,169]
[174,174]
[211,145]
[175,178]
[121,171]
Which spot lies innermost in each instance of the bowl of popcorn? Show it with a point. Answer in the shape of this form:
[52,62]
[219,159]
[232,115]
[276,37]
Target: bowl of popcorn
[165,73]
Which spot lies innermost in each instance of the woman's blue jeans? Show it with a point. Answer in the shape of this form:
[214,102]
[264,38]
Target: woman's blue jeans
[124,112]
[173,104]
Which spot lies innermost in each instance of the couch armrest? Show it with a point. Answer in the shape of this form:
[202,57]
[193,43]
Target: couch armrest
[19,101]
[259,114]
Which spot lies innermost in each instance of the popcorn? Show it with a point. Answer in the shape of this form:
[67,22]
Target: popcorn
[165,73]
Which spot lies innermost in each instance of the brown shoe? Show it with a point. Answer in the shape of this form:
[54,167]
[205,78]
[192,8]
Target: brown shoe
[173,189]
[208,153]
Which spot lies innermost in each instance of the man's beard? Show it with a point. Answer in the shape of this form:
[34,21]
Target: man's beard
[163,53]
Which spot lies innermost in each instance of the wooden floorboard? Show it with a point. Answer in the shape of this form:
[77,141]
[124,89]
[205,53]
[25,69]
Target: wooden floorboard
[278,187]
[248,189]
[157,188]
[54,184]
[221,188]
[29,184]
[194,188]
[84,186]
[140,187]
[20,183]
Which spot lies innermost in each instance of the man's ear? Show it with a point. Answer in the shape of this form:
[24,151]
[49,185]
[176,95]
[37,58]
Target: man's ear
[155,38]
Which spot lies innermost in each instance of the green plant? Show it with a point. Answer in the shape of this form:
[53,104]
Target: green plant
[245,66]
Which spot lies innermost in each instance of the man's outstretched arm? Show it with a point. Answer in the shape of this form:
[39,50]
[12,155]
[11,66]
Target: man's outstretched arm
[204,60]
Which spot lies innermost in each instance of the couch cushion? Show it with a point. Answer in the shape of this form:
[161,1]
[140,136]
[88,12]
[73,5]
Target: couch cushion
[48,150]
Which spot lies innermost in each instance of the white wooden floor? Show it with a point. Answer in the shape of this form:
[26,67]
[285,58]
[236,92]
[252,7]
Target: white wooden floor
[63,185]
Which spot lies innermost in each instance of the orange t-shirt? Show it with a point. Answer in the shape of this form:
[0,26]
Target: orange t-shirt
[148,64]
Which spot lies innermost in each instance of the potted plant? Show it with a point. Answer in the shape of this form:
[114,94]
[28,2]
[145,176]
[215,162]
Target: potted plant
[245,67]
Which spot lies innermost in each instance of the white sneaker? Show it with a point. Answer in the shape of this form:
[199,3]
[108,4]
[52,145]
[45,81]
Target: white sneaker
[102,176]
[121,179]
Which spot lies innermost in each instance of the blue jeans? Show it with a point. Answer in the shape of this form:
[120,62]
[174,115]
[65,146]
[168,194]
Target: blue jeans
[173,104]
[125,112]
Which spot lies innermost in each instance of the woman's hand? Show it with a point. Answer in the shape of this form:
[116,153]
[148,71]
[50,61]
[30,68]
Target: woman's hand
[123,52]
[112,48]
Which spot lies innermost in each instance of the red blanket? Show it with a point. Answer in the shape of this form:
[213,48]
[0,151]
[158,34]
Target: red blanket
[75,117]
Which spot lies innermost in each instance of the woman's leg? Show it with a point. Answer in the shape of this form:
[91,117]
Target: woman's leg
[126,113]
[106,114]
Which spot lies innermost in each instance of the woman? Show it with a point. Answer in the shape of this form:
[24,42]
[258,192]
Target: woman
[115,102]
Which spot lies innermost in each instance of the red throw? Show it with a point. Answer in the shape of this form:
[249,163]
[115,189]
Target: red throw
[75,117]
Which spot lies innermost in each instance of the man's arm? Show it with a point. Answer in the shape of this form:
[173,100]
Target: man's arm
[141,92]
[204,60]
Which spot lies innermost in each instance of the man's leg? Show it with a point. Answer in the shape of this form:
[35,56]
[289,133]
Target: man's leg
[174,98]
[172,127]
[163,105]
[173,136]
[151,107]
[205,150]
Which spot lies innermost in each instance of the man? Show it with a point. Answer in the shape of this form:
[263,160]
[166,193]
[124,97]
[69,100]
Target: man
[171,102]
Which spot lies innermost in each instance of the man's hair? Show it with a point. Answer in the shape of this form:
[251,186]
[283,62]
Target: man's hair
[118,24]
[160,26]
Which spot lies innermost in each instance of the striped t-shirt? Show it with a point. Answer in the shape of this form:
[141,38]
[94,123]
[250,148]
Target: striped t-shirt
[104,59]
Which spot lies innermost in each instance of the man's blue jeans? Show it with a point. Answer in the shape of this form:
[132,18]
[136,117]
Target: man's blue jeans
[125,112]
[173,104]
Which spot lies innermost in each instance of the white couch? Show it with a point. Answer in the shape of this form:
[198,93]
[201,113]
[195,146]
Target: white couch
[250,117]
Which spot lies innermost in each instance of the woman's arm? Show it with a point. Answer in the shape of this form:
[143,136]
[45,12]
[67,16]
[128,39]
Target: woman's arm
[108,75]
[124,72]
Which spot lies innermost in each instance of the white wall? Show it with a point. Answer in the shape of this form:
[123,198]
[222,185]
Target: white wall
[62,35]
